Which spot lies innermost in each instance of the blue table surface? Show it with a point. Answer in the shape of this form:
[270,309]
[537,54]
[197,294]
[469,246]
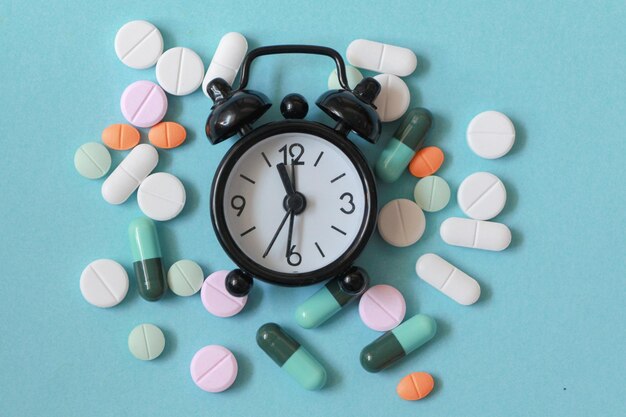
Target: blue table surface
[547,337]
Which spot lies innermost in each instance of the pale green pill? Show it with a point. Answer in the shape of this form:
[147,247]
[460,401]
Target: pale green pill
[354,77]
[432,193]
[92,160]
[146,342]
[185,278]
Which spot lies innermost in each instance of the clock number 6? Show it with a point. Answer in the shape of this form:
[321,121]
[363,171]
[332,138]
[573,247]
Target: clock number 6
[350,202]
[295,151]
[238,203]
[292,253]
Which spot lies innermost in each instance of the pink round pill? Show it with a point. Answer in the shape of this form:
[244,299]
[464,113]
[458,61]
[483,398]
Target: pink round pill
[143,103]
[382,307]
[213,368]
[217,300]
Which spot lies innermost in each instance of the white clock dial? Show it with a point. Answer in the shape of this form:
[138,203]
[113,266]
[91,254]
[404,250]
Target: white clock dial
[335,203]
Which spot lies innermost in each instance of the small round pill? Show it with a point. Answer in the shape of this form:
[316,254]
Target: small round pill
[217,300]
[161,196]
[432,193]
[167,135]
[415,386]
[146,342]
[120,137]
[401,222]
[382,308]
[353,74]
[481,196]
[214,368]
[92,160]
[491,135]
[426,161]
[143,103]
[394,97]
[138,44]
[104,283]
[180,71]
[185,278]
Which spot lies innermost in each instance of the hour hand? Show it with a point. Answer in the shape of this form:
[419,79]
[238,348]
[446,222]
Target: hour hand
[284,177]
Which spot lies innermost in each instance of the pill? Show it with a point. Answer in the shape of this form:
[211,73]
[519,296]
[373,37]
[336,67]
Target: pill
[180,71]
[185,278]
[382,308]
[393,99]
[401,222]
[448,279]
[353,74]
[491,135]
[120,137]
[477,234]
[214,368]
[217,300]
[133,169]
[432,193]
[288,354]
[161,196]
[481,196]
[104,283]
[143,103]
[397,343]
[92,160]
[146,250]
[408,138]
[146,342]
[332,297]
[227,59]
[426,161]
[167,135]
[381,57]
[138,44]
[415,386]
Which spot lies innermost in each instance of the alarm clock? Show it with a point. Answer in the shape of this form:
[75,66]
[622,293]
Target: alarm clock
[293,202]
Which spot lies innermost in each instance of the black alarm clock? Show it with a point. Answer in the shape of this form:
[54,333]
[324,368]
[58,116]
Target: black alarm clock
[293,202]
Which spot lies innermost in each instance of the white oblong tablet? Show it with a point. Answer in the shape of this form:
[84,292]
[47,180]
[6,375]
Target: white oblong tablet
[394,98]
[125,179]
[401,222]
[227,59]
[477,234]
[104,283]
[180,71]
[491,134]
[481,196]
[381,57]
[448,279]
[161,196]
[138,44]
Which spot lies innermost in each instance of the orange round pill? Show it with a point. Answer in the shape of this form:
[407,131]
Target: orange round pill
[167,135]
[120,137]
[426,161]
[415,386]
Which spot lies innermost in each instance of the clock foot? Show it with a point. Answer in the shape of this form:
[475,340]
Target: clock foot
[238,283]
[354,281]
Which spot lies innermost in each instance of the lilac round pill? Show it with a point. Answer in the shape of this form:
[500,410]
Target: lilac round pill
[143,103]
[382,308]
[214,368]
[217,300]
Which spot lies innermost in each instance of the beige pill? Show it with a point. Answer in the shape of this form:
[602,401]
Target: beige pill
[401,222]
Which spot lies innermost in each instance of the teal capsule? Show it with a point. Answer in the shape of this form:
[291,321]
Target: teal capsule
[397,343]
[144,244]
[407,140]
[291,356]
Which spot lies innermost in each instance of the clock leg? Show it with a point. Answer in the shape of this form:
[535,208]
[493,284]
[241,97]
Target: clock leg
[238,283]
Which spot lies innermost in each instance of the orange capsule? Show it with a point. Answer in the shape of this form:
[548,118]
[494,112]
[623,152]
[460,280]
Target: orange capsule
[167,135]
[120,137]
[415,386]
[426,161]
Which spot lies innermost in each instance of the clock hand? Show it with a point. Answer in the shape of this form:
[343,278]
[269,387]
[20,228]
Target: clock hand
[291,219]
[280,227]
[284,177]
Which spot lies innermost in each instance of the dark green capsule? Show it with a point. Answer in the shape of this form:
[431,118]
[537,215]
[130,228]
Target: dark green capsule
[144,244]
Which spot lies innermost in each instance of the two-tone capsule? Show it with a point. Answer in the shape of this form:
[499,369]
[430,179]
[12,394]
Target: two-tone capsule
[397,343]
[291,356]
[144,244]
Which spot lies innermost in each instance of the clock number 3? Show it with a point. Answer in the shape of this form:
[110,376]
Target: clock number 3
[350,203]
[238,203]
[291,253]
[295,152]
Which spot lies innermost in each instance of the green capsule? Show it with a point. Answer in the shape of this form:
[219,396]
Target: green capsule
[144,244]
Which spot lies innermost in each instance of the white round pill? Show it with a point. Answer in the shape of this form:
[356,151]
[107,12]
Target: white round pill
[401,222]
[180,71]
[481,196]
[490,135]
[394,97]
[161,196]
[104,283]
[138,44]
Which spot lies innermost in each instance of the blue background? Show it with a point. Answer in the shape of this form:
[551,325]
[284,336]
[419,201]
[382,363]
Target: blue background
[547,337]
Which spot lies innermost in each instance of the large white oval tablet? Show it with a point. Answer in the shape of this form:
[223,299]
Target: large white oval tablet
[481,196]
[477,234]
[448,279]
[381,57]
[401,222]
[491,135]
[161,196]
[180,71]
[394,98]
[104,283]
[138,44]
[125,179]
[227,59]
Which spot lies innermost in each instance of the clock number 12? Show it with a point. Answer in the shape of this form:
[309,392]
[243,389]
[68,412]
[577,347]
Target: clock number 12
[295,152]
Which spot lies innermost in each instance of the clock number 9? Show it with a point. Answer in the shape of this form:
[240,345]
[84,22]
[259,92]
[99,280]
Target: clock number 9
[350,202]
[238,203]
[295,151]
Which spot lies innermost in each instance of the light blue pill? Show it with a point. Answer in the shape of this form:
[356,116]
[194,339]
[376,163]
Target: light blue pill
[185,278]
[354,77]
[432,193]
[92,160]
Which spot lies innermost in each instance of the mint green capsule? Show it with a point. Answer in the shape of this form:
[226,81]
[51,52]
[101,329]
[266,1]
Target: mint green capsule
[144,244]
